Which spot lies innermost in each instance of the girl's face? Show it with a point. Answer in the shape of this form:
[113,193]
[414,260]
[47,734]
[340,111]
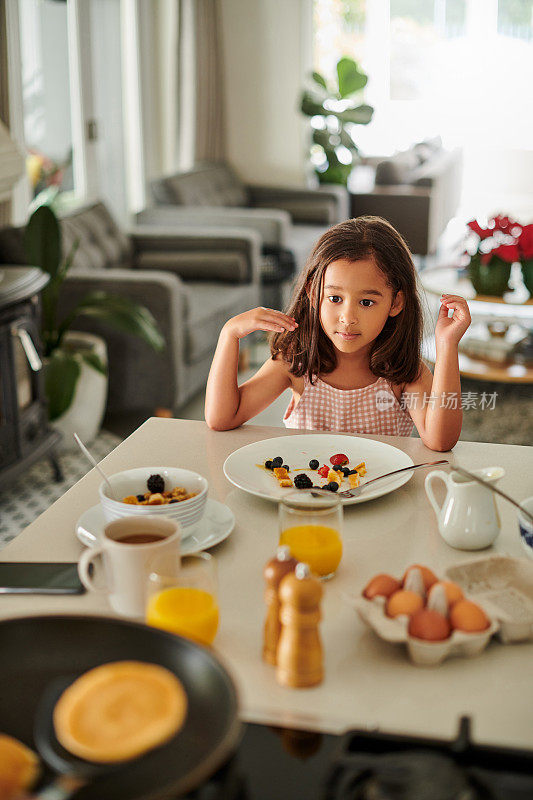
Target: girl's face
[356,303]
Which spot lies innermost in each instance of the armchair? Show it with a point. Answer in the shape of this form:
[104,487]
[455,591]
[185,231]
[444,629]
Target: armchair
[288,220]
[191,282]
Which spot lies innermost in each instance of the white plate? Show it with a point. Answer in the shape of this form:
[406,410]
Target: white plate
[216,525]
[297,451]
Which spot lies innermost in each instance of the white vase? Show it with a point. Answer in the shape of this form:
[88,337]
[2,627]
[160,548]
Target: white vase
[85,413]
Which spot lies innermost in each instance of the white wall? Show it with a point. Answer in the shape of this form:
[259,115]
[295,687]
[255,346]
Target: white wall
[267,49]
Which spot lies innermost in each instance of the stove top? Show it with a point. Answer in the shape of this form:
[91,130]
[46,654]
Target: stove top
[281,764]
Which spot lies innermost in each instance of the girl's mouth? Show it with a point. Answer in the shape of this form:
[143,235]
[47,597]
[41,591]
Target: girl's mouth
[348,337]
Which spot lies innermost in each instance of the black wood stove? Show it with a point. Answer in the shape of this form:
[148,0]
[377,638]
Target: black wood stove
[25,435]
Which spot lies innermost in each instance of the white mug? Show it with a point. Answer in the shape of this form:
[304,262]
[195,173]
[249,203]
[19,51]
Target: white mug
[127,564]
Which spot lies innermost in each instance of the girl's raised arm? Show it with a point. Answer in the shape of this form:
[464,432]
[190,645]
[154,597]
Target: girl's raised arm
[434,401]
[228,405]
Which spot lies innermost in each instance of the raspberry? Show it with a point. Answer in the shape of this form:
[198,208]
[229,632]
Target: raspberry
[323,471]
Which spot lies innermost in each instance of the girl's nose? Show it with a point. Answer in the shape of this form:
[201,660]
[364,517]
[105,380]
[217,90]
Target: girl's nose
[349,315]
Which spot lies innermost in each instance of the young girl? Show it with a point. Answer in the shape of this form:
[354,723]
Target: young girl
[349,346]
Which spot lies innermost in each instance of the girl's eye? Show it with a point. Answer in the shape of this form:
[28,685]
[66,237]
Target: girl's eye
[334,298]
[366,303]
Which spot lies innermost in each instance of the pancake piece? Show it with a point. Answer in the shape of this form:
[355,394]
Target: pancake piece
[19,767]
[120,710]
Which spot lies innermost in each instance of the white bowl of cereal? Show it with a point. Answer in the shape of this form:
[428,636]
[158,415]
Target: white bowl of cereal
[171,492]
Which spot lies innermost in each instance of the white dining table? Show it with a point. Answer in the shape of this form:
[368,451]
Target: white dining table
[368,683]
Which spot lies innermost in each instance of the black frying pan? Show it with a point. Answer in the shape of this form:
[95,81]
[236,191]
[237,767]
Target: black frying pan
[36,652]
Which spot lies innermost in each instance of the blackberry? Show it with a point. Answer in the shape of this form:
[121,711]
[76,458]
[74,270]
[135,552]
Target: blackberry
[140,498]
[269,465]
[278,461]
[303,481]
[332,486]
[313,464]
[155,484]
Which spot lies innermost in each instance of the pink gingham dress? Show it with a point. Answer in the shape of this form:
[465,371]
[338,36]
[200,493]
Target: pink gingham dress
[371,409]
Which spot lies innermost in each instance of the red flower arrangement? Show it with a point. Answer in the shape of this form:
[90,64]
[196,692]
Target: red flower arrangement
[502,243]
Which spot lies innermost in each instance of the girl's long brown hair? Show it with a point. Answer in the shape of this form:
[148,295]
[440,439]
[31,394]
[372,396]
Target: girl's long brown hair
[395,354]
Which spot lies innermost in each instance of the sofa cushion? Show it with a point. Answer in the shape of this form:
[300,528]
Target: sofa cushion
[301,240]
[396,169]
[207,185]
[208,308]
[101,243]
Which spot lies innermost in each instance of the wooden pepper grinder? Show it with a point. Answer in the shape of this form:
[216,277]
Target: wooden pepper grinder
[300,649]
[274,571]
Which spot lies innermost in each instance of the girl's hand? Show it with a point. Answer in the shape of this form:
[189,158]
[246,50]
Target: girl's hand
[449,330]
[259,319]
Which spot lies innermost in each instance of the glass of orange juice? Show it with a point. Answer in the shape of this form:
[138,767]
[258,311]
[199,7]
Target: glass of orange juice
[182,598]
[311,525]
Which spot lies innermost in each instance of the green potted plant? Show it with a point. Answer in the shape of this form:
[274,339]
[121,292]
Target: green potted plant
[76,363]
[334,114]
[525,252]
[492,252]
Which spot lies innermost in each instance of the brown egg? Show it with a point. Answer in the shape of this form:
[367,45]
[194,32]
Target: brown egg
[469,617]
[381,586]
[452,591]
[428,576]
[404,602]
[429,625]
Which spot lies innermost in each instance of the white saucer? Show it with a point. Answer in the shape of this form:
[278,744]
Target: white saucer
[216,525]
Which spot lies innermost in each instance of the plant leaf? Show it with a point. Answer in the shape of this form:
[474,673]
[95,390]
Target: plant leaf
[318,78]
[61,375]
[120,313]
[311,105]
[361,115]
[42,240]
[351,80]
[94,361]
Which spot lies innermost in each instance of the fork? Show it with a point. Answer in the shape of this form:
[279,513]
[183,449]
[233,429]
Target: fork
[357,491]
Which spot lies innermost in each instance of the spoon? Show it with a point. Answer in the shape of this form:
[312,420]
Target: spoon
[473,477]
[97,466]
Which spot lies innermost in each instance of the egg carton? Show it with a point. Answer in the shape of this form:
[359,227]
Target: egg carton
[504,587]
[429,654]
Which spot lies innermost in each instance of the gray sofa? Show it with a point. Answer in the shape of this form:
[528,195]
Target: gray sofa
[417,190]
[191,281]
[289,220]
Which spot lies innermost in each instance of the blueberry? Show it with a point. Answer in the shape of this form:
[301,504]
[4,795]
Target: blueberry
[314,464]
[332,486]
[269,465]
[345,471]
[286,466]
[338,468]
[173,500]
[140,498]
[352,471]
[278,461]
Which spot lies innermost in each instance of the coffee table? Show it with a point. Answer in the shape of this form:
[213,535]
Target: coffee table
[368,683]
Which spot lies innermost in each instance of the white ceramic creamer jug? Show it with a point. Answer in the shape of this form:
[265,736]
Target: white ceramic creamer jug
[468,518]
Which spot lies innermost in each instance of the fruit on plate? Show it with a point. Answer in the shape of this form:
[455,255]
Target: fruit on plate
[468,617]
[381,586]
[404,602]
[339,460]
[19,768]
[429,625]
[428,576]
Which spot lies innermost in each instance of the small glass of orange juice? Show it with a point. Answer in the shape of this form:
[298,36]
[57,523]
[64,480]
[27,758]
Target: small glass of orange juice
[182,598]
[311,525]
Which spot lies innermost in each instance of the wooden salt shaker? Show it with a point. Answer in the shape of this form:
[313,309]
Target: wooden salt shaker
[274,571]
[299,654]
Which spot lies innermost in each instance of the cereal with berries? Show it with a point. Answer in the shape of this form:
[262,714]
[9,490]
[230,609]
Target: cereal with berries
[334,473]
[157,495]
